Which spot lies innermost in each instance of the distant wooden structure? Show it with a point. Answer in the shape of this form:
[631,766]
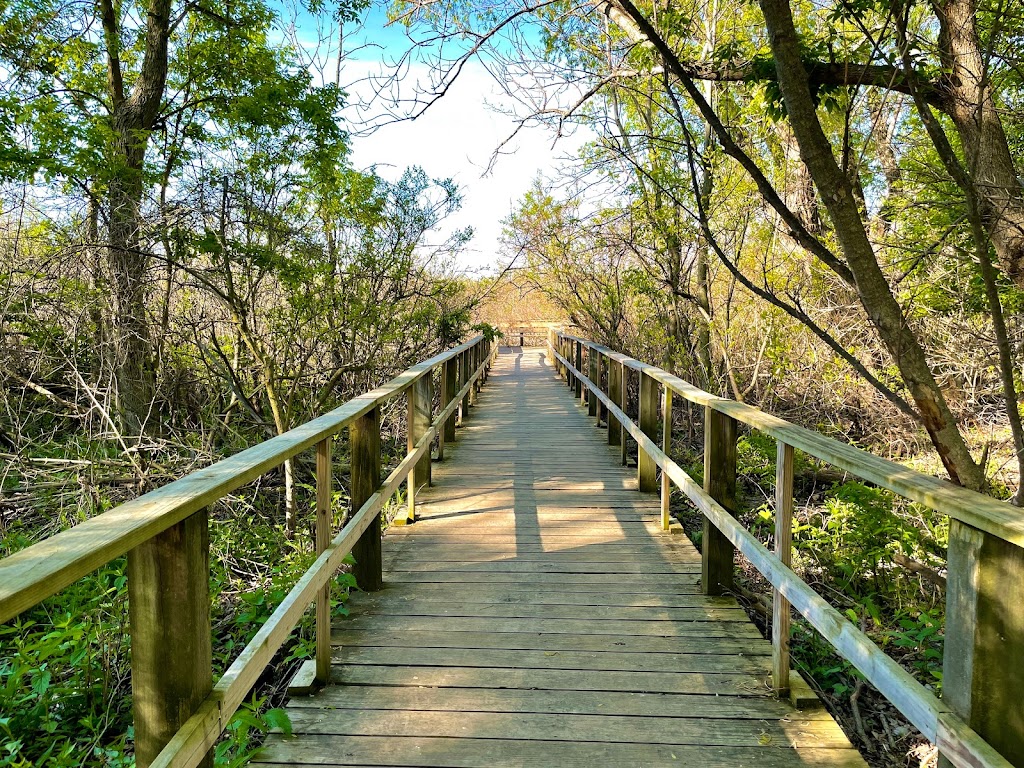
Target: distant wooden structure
[535,607]
[528,333]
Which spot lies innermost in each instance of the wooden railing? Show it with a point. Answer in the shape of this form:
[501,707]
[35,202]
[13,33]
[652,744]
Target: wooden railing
[526,333]
[179,714]
[980,720]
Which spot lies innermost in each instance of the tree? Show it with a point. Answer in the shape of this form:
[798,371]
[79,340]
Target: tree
[809,74]
[91,90]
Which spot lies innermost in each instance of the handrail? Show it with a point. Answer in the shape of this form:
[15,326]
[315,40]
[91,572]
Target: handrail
[31,575]
[956,740]
[976,509]
[43,569]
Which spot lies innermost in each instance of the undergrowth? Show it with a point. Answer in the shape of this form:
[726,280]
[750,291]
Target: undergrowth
[65,667]
[852,542]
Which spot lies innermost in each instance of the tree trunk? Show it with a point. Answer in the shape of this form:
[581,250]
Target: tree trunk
[971,105]
[130,346]
[133,117]
[875,293]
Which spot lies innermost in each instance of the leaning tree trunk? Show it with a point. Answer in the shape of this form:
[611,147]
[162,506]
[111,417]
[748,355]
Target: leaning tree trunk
[971,105]
[872,286]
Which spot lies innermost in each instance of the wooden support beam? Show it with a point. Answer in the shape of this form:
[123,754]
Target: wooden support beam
[579,367]
[602,382]
[449,388]
[615,390]
[784,551]
[593,375]
[568,354]
[324,496]
[474,363]
[463,380]
[720,485]
[983,664]
[666,446]
[420,417]
[364,440]
[169,608]
[647,468]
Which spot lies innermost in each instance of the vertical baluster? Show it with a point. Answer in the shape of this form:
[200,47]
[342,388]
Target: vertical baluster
[666,446]
[324,496]
[623,404]
[647,468]
[449,388]
[602,384]
[592,374]
[364,440]
[720,484]
[784,551]
[579,367]
[464,368]
[615,395]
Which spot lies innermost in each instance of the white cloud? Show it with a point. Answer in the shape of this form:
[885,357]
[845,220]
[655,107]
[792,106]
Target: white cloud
[456,138]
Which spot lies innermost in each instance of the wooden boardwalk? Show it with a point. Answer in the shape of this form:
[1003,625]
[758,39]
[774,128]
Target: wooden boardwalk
[536,615]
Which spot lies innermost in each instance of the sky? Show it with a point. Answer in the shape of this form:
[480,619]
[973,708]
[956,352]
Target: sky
[455,138]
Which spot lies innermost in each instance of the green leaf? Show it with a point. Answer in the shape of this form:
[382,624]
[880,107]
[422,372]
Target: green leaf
[278,718]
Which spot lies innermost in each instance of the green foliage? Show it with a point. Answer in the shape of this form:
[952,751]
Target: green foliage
[245,731]
[64,665]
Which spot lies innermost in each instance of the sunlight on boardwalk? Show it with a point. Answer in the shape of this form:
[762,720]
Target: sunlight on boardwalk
[537,616]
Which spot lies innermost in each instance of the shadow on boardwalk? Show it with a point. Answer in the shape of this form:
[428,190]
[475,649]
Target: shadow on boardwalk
[536,615]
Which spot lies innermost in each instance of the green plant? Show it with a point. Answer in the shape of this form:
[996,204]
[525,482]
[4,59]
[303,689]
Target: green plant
[246,730]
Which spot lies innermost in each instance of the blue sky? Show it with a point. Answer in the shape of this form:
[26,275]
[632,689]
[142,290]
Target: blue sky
[454,138]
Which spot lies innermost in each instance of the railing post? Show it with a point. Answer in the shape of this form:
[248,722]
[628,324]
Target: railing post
[784,551]
[418,418]
[579,367]
[602,376]
[666,446]
[647,468]
[615,394]
[463,380]
[474,363]
[364,440]
[324,496]
[720,484]
[567,353]
[983,664]
[449,388]
[169,608]
[592,374]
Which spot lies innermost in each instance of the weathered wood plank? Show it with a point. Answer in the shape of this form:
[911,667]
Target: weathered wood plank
[777,733]
[696,628]
[512,594]
[552,678]
[557,702]
[534,567]
[528,610]
[758,667]
[534,641]
[508,753]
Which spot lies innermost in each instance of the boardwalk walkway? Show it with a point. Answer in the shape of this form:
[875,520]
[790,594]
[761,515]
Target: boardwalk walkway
[537,616]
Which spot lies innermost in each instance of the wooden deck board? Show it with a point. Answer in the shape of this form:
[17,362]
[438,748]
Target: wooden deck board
[535,615]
